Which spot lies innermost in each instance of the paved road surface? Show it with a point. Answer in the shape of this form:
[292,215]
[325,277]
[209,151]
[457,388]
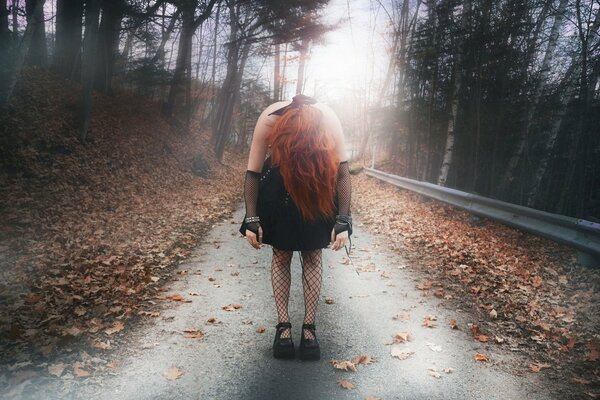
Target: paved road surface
[233,361]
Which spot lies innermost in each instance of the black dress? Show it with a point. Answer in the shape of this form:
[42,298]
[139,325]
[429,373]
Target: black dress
[282,224]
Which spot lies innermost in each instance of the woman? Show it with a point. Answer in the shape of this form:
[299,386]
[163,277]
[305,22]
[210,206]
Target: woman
[298,199]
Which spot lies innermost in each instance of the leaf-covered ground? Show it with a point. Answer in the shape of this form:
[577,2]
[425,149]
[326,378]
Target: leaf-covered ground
[526,293]
[90,231]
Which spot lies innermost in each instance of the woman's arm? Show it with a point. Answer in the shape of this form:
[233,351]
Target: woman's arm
[258,150]
[264,125]
[343,225]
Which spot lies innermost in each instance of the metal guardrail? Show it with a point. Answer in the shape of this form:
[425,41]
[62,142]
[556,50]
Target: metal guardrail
[578,233]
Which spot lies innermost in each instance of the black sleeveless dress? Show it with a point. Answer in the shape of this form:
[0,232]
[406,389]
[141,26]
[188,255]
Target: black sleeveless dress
[282,224]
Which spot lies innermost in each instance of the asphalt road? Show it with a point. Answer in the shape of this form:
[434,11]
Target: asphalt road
[233,360]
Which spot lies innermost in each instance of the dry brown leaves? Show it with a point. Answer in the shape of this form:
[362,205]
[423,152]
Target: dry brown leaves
[90,231]
[530,291]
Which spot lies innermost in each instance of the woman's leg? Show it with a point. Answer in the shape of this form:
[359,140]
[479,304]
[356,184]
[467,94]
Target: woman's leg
[280,279]
[311,282]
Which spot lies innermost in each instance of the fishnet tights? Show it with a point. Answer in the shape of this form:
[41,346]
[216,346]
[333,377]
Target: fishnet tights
[311,283]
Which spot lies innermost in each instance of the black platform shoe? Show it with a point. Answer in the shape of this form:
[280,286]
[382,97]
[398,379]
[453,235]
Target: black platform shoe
[283,347]
[309,348]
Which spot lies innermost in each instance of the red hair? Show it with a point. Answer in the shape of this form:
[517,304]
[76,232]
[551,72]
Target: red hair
[307,160]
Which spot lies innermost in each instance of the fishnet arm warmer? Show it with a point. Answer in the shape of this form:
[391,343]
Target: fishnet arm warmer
[251,197]
[344,195]
[344,188]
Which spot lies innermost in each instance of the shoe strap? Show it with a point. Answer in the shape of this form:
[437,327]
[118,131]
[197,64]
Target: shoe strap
[283,325]
[310,327]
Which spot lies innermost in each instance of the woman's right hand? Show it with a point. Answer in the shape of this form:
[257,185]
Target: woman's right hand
[252,238]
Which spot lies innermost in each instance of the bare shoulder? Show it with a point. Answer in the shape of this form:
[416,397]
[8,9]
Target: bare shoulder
[269,120]
[334,127]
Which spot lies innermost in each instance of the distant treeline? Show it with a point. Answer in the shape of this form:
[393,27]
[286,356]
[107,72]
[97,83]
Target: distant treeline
[501,98]
[189,54]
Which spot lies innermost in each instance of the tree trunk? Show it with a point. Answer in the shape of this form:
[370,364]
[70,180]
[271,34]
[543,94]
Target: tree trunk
[276,73]
[282,84]
[38,53]
[550,141]
[541,83]
[15,20]
[578,149]
[92,11]
[108,44]
[454,103]
[184,48]
[7,84]
[5,36]
[160,52]
[67,58]
[235,99]
[304,48]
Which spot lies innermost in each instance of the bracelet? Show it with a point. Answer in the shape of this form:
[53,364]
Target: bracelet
[249,220]
[343,219]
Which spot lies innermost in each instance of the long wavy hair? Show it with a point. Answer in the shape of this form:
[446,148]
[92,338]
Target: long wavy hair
[307,160]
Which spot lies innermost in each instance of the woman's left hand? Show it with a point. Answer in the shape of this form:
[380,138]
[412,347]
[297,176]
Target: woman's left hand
[338,241]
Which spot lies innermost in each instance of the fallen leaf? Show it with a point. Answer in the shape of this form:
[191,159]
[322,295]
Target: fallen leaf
[433,372]
[343,365]
[434,347]
[439,293]
[453,324]
[231,307]
[481,357]
[493,314]
[428,321]
[593,353]
[386,275]
[116,327]
[260,329]
[372,398]
[579,380]
[56,369]
[425,285]
[73,331]
[482,338]
[401,337]
[211,320]
[537,367]
[345,260]
[173,373]
[79,371]
[346,385]
[191,333]
[177,297]
[101,345]
[329,300]
[362,359]
[400,354]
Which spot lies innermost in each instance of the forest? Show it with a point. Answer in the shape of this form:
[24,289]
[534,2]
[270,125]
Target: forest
[496,98]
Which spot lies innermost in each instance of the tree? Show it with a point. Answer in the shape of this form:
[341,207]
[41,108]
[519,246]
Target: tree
[539,87]
[108,44]
[183,71]
[92,12]
[7,84]
[67,57]
[250,22]
[38,53]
